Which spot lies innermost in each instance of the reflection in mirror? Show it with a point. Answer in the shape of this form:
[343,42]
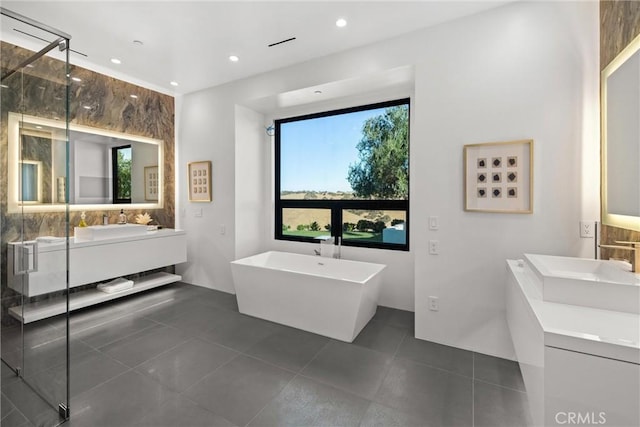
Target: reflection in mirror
[106,169]
[621,139]
[31,181]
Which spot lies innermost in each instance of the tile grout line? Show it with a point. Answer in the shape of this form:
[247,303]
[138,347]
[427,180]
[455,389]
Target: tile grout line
[296,375]
[500,386]
[146,360]
[210,373]
[274,398]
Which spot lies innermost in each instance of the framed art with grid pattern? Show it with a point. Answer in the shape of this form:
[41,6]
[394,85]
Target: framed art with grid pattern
[498,177]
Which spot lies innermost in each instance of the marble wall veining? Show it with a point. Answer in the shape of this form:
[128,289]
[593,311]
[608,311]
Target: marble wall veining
[619,25]
[40,91]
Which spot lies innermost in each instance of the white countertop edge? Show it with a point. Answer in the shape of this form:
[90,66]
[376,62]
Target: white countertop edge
[558,333]
[73,243]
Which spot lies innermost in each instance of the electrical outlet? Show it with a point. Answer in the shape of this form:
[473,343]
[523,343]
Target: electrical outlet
[434,305]
[587,229]
[434,247]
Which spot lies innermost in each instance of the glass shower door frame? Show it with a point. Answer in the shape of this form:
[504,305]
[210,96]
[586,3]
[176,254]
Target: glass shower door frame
[28,250]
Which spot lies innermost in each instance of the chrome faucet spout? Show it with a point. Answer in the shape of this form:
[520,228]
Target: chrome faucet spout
[338,254]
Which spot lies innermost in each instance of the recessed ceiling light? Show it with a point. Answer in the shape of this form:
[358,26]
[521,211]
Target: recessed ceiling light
[138,42]
[76,79]
[38,127]
[4,86]
[134,96]
[30,66]
[173,83]
[234,58]
[341,23]
[86,107]
[317,92]
[116,61]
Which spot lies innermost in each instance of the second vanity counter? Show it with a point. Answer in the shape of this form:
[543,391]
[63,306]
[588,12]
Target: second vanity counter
[576,361]
[606,333]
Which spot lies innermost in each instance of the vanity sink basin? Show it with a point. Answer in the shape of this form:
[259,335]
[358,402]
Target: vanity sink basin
[111,231]
[585,282]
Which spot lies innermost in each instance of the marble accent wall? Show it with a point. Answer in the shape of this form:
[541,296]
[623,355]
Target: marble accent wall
[619,25]
[40,91]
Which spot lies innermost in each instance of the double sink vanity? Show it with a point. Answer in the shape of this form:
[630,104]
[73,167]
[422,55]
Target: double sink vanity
[96,253]
[575,326]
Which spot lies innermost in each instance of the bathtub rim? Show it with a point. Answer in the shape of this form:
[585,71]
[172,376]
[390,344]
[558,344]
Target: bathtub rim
[379,267]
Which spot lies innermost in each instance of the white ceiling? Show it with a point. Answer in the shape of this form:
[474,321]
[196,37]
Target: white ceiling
[190,42]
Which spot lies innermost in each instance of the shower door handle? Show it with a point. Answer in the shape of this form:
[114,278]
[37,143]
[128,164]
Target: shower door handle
[25,258]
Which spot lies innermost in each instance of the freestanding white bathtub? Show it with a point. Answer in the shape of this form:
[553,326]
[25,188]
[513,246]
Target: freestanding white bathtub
[331,297]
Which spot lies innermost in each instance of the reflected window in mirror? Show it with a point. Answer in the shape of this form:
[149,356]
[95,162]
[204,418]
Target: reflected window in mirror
[121,172]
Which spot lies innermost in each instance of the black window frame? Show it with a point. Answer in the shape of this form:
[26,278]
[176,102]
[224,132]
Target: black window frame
[114,174]
[337,206]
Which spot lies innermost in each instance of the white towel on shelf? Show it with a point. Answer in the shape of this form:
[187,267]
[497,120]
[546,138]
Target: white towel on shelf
[116,285]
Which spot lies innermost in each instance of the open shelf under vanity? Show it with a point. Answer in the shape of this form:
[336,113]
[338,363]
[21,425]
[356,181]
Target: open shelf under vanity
[55,306]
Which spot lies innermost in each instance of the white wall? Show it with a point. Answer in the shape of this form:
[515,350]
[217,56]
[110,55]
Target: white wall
[252,147]
[207,132]
[526,70]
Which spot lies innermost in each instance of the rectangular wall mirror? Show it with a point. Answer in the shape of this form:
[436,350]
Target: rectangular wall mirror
[620,174]
[106,169]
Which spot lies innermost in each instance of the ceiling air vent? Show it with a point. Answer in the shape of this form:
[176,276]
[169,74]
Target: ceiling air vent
[282,41]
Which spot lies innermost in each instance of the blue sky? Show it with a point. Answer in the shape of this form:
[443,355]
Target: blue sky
[316,153]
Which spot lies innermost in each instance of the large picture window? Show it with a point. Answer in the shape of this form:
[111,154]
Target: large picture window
[345,173]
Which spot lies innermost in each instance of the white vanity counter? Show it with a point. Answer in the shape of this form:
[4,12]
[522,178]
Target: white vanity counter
[574,359]
[90,261]
[606,333]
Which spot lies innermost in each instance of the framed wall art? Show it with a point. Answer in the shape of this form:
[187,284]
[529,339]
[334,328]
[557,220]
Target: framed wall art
[199,181]
[498,177]
[151,181]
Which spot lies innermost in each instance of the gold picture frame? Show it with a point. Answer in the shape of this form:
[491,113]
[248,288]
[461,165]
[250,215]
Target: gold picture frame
[199,179]
[151,180]
[498,177]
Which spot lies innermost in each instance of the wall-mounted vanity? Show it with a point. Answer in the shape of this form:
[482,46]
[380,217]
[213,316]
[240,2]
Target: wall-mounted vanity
[39,267]
[86,166]
[98,161]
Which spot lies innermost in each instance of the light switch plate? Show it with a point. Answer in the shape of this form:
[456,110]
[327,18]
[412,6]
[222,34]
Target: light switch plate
[433,223]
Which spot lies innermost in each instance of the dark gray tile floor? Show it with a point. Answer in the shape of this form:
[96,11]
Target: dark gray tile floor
[183,356]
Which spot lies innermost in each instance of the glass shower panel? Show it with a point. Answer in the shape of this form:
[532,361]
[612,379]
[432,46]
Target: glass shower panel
[35,346]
